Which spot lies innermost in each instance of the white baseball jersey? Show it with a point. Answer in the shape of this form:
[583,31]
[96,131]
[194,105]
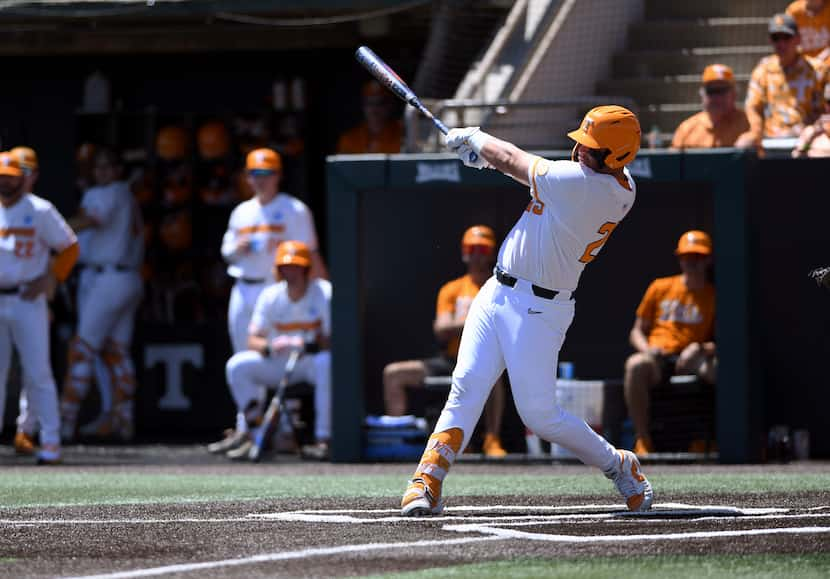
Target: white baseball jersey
[117,240]
[276,314]
[28,230]
[572,212]
[283,218]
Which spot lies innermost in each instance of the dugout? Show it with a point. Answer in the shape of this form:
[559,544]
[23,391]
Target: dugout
[394,225]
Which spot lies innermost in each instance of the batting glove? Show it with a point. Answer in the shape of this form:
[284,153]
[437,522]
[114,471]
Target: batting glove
[470,157]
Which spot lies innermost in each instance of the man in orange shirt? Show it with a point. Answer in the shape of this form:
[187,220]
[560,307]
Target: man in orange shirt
[454,299]
[814,141]
[673,332]
[785,90]
[813,20]
[381,132]
[720,123]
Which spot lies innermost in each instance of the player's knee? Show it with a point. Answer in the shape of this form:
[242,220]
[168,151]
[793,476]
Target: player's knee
[638,364]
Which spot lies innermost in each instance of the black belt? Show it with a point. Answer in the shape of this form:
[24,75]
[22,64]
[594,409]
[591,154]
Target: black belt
[538,291]
[103,268]
[7,291]
[251,280]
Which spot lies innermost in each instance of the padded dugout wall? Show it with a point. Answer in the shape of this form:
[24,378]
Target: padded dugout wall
[394,228]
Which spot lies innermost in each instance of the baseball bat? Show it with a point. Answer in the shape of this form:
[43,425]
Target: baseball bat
[390,79]
[272,415]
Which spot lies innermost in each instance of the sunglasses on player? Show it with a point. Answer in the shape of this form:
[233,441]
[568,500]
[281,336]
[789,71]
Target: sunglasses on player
[716,90]
[780,37]
[478,250]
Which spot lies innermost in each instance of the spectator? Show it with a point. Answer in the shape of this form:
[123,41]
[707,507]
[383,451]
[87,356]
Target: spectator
[672,333]
[454,299]
[380,132]
[814,140]
[720,123]
[784,90]
[813,20]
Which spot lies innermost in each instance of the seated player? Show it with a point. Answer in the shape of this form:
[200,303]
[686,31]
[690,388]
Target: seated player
[454,299]
[294,313]
[673,332]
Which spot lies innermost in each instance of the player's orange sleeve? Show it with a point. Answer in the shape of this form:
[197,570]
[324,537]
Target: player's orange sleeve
[64,261]
[446,299]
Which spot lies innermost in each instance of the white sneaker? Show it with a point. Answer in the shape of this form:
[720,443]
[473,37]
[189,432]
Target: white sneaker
[420,501]
[233,438]
[631,482]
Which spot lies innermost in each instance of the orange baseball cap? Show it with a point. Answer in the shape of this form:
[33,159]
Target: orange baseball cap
[478,235]
[9,165]
[718,73]
[293,253]
[263,161]
[27,158]
[694,241]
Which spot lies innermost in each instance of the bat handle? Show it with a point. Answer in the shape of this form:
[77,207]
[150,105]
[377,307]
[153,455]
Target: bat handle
[441,126]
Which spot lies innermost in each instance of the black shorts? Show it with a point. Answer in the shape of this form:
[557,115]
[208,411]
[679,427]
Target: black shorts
[667,364]
[439,366]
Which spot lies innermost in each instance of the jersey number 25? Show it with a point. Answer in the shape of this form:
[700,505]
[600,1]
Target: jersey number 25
[605,229]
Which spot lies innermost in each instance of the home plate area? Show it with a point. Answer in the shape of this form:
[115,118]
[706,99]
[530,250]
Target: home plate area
[590,523]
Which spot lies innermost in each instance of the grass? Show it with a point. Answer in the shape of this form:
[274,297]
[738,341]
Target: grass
[32,489]
[647,567]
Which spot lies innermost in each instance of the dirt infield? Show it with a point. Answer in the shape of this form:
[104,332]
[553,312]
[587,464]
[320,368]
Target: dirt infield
[326,537]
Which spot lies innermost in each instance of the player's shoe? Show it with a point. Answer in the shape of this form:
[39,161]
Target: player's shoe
[49,454]
[492,447]
[108,426]
[24,443]
[233,438]
[631,482]
[241,452]
[420,500]
[316,451]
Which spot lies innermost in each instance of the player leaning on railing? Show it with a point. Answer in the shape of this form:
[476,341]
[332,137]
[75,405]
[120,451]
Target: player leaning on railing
[519,318]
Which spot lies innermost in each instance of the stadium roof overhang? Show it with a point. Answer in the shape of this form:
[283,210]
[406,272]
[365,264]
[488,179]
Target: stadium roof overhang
[30,27]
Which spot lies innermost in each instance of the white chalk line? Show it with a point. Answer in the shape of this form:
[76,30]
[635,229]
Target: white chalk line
[513,534]
[287,555]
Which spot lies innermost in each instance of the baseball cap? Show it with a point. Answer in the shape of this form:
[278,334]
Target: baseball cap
[263,161]
[718,73]
[9,165]
[694,241]
[479,235]
[783,24]
[293,253]
[27,158]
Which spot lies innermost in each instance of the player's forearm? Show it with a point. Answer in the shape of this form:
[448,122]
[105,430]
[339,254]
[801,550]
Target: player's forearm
[64,261]
[639,340]
[507,158]
[82,221]
[445,331]
[258,344]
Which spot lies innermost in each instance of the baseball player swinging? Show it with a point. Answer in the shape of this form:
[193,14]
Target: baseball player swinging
[109,292]
[255,229]
[29,228]
[292,314]
[519,318]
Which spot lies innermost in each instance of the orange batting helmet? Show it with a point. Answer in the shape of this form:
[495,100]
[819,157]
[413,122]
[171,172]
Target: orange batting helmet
[9,165]
[694,241]
[610,127]
[478,235]
[266,160]
[27,158]
[212,140]
[171,143]
[293,253]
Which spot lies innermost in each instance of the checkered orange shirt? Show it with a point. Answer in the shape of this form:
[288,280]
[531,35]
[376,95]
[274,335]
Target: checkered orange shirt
[698,131]
[780,103]
[813,28]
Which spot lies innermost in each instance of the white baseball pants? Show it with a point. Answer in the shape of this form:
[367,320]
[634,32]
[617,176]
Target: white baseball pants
[107,302]
[249,374]
[240,310]
[28,324]
[513,328]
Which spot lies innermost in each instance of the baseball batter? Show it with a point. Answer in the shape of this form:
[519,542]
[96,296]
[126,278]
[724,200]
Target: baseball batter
[31,227]
[294,313]
[109,292]
[519,318]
